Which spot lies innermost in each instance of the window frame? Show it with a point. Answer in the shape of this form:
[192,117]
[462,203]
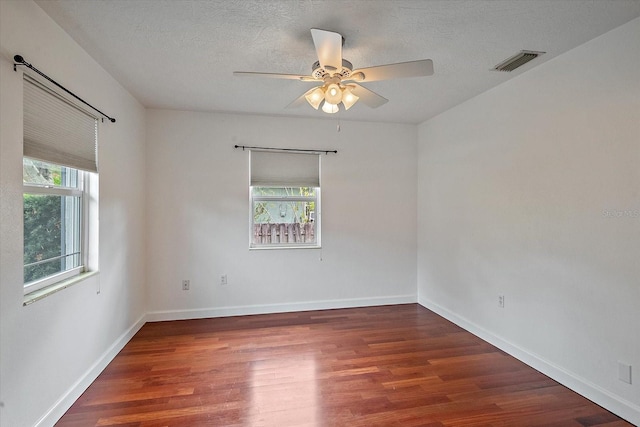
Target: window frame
[276,198]
[81,191]
[58,130]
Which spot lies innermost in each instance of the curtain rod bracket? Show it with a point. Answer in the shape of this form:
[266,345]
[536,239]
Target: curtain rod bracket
[19,60]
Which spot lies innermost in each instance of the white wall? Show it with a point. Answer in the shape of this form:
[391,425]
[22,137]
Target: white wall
[513,192]
[508,195]
[198,205]
[51,349]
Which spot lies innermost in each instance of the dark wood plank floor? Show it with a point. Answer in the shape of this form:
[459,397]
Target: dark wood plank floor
[396,365]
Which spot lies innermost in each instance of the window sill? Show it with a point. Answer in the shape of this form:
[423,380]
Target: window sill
[34,296]
[268,248]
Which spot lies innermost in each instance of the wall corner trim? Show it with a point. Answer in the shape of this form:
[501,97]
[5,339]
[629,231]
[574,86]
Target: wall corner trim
[619,406]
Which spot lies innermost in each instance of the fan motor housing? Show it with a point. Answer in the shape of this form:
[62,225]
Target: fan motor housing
[318,72]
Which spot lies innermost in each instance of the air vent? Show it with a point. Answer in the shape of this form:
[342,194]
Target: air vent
[517,60]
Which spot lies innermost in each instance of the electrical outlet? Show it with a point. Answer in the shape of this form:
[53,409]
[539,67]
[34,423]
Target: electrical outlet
[223,279]
[501,301]
[185,284]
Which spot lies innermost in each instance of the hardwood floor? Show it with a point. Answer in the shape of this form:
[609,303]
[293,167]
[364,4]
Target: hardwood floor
[397,365]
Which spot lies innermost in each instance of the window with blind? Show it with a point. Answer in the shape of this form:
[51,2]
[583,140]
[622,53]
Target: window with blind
[285,200]
[59,147]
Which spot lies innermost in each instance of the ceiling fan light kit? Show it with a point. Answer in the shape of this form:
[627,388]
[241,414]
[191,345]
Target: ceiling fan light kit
[330,96]
[339,79]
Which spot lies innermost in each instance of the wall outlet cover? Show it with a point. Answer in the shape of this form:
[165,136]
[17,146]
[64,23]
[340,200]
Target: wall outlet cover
[624,372]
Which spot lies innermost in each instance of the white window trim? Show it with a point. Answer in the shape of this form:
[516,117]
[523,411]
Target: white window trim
[52,280]
[34,296]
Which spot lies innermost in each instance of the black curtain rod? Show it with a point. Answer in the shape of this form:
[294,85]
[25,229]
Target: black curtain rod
[295,150]
[19,60]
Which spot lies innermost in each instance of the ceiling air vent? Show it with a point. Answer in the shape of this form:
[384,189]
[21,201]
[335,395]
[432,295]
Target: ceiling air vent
[517,60]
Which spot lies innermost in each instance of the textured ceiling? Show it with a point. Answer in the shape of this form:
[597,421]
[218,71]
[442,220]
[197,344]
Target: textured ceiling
[181,54]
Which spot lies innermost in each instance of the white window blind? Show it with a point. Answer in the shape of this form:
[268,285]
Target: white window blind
[57,131]
[285,169]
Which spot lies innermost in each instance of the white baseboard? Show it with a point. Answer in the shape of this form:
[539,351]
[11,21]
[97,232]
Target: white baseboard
[158,316]
[619,406]
[56,412]
[604,398]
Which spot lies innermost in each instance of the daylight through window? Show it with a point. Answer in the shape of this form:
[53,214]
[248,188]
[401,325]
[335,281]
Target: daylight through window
[284,216]
[285,200]
[53,223]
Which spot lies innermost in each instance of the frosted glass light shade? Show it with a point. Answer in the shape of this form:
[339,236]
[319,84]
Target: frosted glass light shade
[315,97]
[329,108]
[333,94]
[348,98]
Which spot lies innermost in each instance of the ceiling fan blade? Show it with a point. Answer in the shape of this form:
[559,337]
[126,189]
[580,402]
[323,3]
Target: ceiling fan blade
[329,48]
[393,71]
[368,97]
[273,76]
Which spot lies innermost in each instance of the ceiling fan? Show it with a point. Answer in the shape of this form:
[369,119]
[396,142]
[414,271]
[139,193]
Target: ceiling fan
[338,81]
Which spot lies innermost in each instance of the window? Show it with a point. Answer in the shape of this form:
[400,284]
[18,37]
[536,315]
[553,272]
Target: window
[59,146]
[54,204]
[284,216]
[285,200]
